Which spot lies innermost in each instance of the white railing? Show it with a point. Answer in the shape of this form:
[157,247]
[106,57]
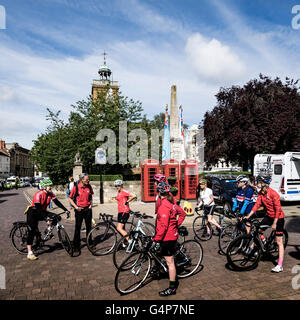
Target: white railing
[105,82]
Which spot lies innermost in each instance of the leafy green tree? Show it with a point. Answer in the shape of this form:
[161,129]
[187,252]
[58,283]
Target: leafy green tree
[263,116]
[54,151]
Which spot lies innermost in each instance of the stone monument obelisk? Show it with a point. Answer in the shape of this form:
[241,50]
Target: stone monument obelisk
[175,138]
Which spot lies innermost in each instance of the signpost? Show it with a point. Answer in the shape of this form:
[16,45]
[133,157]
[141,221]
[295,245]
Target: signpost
[100,158]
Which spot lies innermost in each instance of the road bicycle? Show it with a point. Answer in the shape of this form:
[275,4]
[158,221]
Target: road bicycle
[245,251]
[102,238]
[230,232]
[134,240]
[202,229]
[20,229]
[136,268]
[235,229]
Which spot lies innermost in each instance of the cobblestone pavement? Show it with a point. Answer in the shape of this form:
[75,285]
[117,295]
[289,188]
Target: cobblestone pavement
[55,275]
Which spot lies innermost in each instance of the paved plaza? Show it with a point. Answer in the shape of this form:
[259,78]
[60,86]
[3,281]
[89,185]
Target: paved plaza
[55,275]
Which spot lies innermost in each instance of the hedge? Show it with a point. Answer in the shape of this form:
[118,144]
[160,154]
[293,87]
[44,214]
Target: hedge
[106,177]
[232,173]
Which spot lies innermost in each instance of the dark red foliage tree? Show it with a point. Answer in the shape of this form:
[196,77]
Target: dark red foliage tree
[261,117]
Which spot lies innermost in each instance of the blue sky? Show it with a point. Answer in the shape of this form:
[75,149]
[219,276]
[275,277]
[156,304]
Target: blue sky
[51,51]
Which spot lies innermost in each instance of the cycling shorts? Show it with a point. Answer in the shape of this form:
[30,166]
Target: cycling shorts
[123,217]
[168,248]
[279,226]
[208,210]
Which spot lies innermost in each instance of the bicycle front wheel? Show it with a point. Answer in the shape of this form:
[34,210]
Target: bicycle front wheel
[123,247]
[149,229]
[65,240]
[102,239]
[200,229]
[226,236]
[243,253]
[132,273]
[188,258]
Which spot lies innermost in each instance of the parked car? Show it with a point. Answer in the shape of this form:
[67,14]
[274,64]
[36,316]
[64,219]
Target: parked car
[7,185]
[224,190]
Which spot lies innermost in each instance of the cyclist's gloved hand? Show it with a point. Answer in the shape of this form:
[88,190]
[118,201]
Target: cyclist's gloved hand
[155,246]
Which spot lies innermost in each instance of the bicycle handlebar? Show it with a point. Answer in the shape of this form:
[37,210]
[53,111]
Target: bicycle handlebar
[59,214]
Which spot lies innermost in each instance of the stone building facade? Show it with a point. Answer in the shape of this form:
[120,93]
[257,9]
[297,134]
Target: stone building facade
[4,161]
[20,164]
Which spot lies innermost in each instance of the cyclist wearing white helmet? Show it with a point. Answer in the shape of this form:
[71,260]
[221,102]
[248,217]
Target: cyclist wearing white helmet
[123,198]
[244,197]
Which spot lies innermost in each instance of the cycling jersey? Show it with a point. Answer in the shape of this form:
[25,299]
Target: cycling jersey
[166,221]
[271,201]
[157,203]
[43,198]
[122,198]
[84,195]
[244,200]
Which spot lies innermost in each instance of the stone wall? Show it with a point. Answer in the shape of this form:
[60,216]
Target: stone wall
[109,191]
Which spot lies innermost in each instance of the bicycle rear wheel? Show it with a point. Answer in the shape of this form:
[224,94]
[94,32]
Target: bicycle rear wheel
[102,239]
[188,258]
[200,229]
[19,234]
[243,253]
[132,273]
[123,247]
[65,240]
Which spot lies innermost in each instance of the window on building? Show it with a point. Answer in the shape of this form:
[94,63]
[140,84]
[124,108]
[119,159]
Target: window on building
[278,169]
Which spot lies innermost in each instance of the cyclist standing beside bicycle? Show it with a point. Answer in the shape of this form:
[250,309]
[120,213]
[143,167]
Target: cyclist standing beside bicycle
[81,198]
[123,199]
[167,232]
[205,197]
[38,212]
[244,197]
[275,216]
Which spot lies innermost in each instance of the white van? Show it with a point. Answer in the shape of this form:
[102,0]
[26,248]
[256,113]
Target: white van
[285,172]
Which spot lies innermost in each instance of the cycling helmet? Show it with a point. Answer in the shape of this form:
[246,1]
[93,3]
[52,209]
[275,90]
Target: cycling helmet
[163,187]
[242,178]
[118,183]
[160,177]
[46,183]
[203,181]
[264,178]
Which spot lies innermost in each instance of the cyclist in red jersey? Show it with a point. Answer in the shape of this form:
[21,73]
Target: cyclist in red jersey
[275,216]
[123,198]
[167,232]
[38,212]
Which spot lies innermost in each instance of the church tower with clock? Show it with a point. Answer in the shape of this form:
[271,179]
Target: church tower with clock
[105,83]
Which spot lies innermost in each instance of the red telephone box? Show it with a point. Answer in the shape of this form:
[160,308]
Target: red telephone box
[149,168]
[171,168]
[189,178]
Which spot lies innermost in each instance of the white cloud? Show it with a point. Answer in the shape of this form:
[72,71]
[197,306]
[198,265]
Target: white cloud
[7,94]
[214,61]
